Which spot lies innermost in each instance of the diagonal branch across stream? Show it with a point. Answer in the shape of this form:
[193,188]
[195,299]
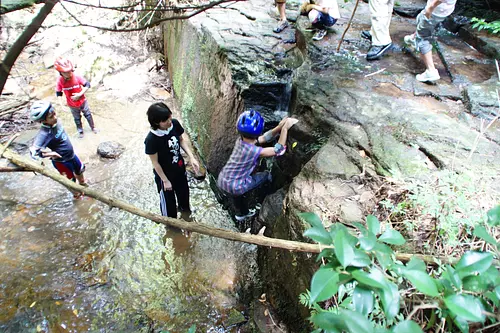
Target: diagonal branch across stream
[29,164]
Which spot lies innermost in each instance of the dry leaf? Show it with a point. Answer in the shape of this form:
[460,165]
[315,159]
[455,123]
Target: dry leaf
[266,312]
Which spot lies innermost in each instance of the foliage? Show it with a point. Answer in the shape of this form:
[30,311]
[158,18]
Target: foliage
[363,279]
[452,201]
[480,24]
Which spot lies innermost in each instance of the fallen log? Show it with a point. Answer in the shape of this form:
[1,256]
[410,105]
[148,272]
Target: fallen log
[29,164]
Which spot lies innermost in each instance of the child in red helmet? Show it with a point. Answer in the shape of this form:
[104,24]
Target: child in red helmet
[236,177]
[74,87]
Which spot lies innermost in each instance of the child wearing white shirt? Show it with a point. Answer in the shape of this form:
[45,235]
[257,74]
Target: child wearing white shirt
[321,14]
[434,13]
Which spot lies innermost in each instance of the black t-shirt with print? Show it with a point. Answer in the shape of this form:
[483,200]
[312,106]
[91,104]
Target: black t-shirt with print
[168,149]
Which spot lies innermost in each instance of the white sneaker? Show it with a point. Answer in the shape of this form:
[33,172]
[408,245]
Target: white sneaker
[428,76]
[410,42]
[251,212]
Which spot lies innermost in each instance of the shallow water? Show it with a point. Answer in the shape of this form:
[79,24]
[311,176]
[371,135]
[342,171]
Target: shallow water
[76,265]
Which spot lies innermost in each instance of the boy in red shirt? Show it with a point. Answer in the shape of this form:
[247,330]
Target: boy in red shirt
[74,87]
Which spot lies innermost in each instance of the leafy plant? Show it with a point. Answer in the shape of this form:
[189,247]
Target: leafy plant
[480,24]
[360,284]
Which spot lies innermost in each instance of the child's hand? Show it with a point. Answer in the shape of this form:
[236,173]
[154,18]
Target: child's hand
[196,166]
[282,122]
[290,122]
[167,185]
[76,96]
[303,8]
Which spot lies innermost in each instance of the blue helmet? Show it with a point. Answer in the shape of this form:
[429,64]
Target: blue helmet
[250,123]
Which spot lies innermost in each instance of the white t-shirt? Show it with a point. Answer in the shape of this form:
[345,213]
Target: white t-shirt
[332,4]
[445,8]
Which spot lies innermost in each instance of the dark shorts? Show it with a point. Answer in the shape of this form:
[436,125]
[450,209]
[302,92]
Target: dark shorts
[70,168]
[324,20]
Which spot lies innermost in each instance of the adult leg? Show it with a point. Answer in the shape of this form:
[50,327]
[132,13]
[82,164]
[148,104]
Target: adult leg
[86,113]
[381,14]
[77,117]
[168,206]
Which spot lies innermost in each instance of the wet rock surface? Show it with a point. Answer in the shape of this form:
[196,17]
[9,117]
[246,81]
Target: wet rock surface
[358,120]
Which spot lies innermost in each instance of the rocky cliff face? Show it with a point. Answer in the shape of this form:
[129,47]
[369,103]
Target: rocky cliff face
[358,120]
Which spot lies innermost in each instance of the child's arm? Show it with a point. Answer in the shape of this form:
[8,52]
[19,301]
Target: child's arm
[279,148]
[167,185]
[187,149]
[324,10]
[85,86]
[431,5]
[271,134]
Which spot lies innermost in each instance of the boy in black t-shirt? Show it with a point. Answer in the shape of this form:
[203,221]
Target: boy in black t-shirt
[163,144]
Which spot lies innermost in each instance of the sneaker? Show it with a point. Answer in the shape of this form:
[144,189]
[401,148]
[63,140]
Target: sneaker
[428,76]
[282,25]
[366,34]
[251,212]
[80,135]
[95,130]
[319,34]
[377,51]
[410,39]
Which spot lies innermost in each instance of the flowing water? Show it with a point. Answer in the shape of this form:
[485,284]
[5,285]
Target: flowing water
[76,265]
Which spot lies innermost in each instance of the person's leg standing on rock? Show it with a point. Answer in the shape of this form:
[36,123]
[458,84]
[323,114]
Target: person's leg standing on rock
[77,117]
[283,23]
[381,13]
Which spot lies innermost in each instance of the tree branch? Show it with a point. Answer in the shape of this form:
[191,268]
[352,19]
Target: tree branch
[20,43]
[199,10]
[191,226]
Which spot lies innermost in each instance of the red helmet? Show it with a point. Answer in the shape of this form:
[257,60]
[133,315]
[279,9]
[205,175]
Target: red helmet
[63,65]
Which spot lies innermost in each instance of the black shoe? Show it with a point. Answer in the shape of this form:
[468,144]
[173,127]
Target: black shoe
[377,51]
[366,34]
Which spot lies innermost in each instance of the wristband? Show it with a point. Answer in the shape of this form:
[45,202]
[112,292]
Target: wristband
[268,136]
[279,149]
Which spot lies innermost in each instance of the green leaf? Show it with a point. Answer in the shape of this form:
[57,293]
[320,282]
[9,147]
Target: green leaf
[373,224]
[482,233]
[407,326]
[326,253]
[390,300]
[466,307]
[329,321]
[391,236]
[494,216]
[475,283]
[373,279]
[324,284]
[361,259]
[356,322]
[416,264]
[453,277]
[192,329]
[311,218]
[384,255]
[343,249]
[422,281]
[363,300]
[461,324]
[473,262]
[319,234]
[368,240]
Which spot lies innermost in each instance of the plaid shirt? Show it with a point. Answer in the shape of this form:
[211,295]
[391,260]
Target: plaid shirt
[235,176]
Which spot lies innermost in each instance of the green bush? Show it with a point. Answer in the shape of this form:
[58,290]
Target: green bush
[361,281]
[481,24]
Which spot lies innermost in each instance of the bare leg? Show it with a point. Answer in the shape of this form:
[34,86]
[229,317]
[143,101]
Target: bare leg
[81,180]
[427,59]
[281,10]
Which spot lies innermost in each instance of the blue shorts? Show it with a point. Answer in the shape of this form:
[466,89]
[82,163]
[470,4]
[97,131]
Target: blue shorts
[70,168]
[324,20]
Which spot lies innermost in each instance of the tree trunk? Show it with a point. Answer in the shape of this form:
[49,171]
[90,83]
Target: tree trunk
[18,46]
[7,6]
[28,164]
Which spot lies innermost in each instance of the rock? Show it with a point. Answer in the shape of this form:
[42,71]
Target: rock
[234,318]
[481,99]
[408,11]
[110,149]
[272,207]
[24,141]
